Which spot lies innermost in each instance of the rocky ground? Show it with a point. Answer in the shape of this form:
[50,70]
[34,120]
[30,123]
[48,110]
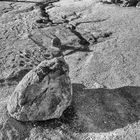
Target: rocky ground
[100,43]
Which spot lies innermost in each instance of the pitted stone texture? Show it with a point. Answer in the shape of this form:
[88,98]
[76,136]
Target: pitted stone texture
[43,93]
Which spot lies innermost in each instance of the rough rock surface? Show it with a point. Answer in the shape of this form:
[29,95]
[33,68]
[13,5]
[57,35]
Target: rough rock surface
[101,45]
[43,93]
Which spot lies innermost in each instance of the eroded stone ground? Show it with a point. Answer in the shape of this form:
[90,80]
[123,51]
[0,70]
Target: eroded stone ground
[100,44]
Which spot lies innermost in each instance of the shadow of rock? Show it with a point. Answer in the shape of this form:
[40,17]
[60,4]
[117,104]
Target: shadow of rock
[72,49]
[102,110]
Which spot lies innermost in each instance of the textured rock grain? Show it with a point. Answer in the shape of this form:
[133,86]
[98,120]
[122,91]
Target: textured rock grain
[44,93]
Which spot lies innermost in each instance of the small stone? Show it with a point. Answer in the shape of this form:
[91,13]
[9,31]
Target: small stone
[56,42]
[43,93]
[56,47]
[98,85]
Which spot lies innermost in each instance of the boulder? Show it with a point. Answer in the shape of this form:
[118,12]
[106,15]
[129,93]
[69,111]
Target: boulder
[43,93]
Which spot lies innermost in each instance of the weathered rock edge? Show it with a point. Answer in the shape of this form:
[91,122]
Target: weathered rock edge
[43,93]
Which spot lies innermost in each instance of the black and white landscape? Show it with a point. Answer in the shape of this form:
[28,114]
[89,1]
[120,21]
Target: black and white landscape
[69,70]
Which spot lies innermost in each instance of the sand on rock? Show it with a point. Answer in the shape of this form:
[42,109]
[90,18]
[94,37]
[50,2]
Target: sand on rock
[43,93]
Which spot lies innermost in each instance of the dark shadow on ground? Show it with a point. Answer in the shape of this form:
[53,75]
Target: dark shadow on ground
[73,49]
[102,110]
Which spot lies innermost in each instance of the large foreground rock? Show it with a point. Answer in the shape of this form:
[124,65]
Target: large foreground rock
[44,93]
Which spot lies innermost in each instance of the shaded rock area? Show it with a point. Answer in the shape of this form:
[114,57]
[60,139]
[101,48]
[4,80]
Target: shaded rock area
[123,3]
[100,44]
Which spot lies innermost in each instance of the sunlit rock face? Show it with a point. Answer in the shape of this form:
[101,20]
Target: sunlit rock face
[43,93]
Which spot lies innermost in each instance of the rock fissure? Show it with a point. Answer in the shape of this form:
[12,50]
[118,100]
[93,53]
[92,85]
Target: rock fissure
[38,98]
